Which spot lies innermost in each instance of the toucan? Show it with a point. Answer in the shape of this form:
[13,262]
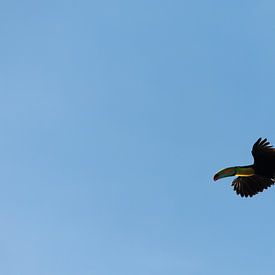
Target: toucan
[255,178]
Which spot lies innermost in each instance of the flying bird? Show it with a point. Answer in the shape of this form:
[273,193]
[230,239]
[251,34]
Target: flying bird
[255,178]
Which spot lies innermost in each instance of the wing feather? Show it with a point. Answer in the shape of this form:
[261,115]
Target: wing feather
[262,148]
[250,186]
[264,158]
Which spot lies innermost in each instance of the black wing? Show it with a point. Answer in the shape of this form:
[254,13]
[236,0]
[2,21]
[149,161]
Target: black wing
[262,149]
[264,158]
[250,186]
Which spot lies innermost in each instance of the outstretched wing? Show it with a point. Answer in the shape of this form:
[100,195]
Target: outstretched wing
[262,150]
[250,186]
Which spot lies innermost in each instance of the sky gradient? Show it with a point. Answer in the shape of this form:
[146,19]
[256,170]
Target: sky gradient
[114,117]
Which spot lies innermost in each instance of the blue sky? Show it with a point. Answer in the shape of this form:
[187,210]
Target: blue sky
[114,117]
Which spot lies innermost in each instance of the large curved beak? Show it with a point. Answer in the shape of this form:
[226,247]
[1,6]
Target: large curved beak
[224,173]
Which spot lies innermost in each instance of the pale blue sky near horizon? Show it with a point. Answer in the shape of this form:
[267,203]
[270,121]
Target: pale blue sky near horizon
[114,117]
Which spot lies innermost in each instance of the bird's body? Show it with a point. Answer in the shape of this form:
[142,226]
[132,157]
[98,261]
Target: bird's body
[254,178]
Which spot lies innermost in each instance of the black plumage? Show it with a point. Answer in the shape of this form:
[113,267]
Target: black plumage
[250,186]
[264,167]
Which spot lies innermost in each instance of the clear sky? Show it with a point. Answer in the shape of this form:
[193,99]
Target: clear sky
[114,117]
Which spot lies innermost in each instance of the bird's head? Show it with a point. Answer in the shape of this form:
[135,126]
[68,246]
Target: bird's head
[227,172]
